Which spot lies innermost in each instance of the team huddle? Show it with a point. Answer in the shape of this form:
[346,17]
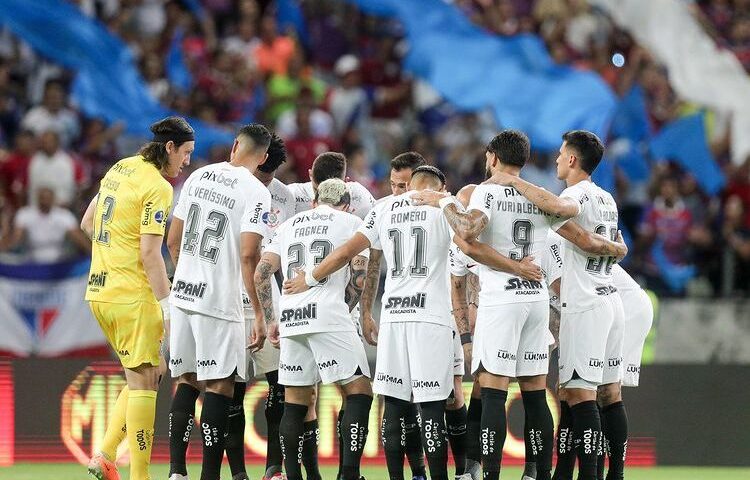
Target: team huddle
[279,282]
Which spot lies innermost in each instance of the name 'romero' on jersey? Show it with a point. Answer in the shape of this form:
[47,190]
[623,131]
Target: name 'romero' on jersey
[415,241]
[303,242]
[217,204]
[517,228]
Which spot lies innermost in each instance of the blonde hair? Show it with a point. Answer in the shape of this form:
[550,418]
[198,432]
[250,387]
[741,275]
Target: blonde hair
[333,192]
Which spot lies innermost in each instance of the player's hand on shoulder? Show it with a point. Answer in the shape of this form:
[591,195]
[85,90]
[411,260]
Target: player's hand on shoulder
[528,270]
[369,329]
[273,334]
[428,197]
[296,284]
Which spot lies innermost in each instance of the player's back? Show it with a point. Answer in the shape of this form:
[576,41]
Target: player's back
[586,277]
[415,241]
[302,242]
[217,203]
[517,229]
[361,198]
[133,199]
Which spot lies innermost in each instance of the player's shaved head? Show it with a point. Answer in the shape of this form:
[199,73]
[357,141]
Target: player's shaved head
[427,177]
[333,192]
[254,138]
[464,195]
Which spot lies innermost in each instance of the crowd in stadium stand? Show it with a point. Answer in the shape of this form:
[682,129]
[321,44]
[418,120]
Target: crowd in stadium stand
[344,89]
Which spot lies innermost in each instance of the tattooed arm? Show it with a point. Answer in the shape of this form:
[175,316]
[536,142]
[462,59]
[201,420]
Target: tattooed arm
[592,243]
[369,292]
[357,282]
[268,265]
[472,297]
[547,201]
[466,225]
[459,304]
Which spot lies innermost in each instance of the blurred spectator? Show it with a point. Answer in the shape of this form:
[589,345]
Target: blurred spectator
[53,167]
[275,51]
[736,258]
[10,107]
[357,167]
[153,73]
[305,145]
[285,88]
[14,168]
[43,230]
[348,101]
[669,221]
[244,41]
[54,115]
[321,122]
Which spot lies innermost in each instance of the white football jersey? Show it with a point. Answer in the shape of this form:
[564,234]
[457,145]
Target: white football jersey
[303,242]
[361,203]
[516,229]
[552,257]
[622,281]
[218,203]
[586,277]
[415,241]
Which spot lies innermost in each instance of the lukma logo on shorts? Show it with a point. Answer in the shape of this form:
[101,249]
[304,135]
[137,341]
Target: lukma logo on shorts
[506,355]
[425,384]
[384,377]
[289,368]
[206,363]
[327,364]
[596,363]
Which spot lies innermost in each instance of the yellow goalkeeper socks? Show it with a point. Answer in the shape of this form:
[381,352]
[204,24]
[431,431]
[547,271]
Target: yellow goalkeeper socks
[140,415]
[116,427]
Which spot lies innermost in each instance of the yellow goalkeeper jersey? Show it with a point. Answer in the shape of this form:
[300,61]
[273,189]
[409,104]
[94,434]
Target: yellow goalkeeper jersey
[134,199]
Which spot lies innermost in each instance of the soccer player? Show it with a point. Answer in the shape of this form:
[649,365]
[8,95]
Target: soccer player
[318,340]
[331,165]
[415,345]
[402,166]
[512,332]
[266,360]
[128,287]
[592,317]
[215,241]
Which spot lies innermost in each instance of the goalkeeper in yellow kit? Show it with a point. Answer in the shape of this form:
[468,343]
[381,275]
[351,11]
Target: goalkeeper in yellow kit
[128,286]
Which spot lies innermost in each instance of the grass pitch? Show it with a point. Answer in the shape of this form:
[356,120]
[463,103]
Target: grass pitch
[68,471]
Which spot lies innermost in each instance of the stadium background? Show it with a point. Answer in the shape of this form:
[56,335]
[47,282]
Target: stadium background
[80,81]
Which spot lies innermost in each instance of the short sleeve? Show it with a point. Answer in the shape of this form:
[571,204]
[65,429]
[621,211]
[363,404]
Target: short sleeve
[481,199]
[367,201]
[275,245]
[181,209]
[257,205]
[552,262]
[457,261]
[369,228]
[156,204]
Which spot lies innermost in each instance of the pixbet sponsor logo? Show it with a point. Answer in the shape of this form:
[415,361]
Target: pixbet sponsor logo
[220,179]
[307,217]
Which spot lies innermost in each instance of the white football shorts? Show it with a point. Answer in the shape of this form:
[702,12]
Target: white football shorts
[512,339]
[327,357]
[639,315]
[414,361]
[211,347]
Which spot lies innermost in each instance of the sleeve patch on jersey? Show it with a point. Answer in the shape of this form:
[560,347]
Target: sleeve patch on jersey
[147,211]
[271,218]
[257,212]
[488,197]
[159,216]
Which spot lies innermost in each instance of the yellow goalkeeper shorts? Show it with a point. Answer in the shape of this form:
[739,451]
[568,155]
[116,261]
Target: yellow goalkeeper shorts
[135,330]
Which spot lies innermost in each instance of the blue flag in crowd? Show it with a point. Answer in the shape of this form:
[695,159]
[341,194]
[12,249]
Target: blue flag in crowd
[289,14]
[177,72]
[107,83]
[514,76]
[684,141]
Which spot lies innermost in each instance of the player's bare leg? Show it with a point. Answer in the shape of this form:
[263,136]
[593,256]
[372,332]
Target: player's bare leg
[455,425]
[538,428]
[182,423]
[614,421]
[473,420]
[494,423]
